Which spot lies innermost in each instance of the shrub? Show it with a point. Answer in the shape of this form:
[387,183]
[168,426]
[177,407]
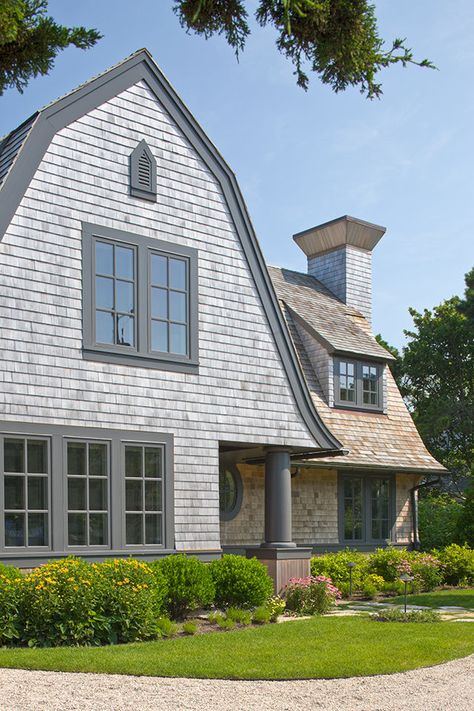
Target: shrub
[130,597]
[465,522]
[189,584]
[190,628]
[241,617]
[261,615]
[240,582]
[458,564]
[334,566]
[397,615]
[165,627]
[372,584]
[438,520]
[276,606]
[10,595]
[387,563]
[426,570]
[59,605]
[311,595]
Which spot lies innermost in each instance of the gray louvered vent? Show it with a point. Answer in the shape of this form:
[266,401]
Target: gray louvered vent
[143,172]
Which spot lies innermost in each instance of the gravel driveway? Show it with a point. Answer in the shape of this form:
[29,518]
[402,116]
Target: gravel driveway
[441,688]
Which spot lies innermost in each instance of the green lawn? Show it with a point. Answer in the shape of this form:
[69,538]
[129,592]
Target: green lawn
[457,597]
[319,647]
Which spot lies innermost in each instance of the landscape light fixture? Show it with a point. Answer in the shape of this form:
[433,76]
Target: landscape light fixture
[405,578]
[350,564]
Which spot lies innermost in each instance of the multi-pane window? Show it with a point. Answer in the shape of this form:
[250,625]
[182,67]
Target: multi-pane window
[169,294]
[358,384]
[25,492]
[365,508]
[347,382]
[87,493]
[140,300]
[353,523]
[143,495]
[115,293]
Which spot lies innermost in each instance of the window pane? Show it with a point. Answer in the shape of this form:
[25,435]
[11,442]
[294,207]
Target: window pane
[77,523]
[104,327]
[159,274]
[124,296]
[159,336]
[177,306]
[98,529]
[133,495]
[353,509]
[14,492]
[37,457]
[153,462]
[125,326]
[134,532]
[380,508]
[133,461]
[159,303]
[152,495]
[97,459]
[38,529]
[124,262]
[178,339]
[177,274]
[97,494]
[104,258]
[104,293]
[14,455]
[76,459]
[153,529]
[77,500]
[14,529]
[37,493]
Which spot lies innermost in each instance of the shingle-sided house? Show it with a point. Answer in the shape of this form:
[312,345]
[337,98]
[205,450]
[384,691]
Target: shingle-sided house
[161,388]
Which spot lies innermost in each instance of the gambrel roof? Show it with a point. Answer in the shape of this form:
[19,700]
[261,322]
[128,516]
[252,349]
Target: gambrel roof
[23,149]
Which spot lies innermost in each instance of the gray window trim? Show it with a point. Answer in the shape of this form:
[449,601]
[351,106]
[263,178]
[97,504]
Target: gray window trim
[136,188]
[358,404]
[26,549]
[141,354]
[229,515]
[144,546]
[58,436]
[366,519]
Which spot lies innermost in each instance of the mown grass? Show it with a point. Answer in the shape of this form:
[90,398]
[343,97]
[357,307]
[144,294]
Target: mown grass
[457,598]
[303,649]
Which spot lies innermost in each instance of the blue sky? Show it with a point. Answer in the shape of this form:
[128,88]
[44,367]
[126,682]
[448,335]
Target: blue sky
[405,162]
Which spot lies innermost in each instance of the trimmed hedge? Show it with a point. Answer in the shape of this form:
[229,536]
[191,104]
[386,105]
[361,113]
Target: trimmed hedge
[240,582]
[189,584]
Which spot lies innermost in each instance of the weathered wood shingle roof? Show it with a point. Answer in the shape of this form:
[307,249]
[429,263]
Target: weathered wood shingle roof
[389,441]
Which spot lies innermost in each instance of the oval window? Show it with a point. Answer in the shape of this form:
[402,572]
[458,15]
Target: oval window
[230,492]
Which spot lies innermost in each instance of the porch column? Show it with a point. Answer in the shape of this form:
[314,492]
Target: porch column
[278,530]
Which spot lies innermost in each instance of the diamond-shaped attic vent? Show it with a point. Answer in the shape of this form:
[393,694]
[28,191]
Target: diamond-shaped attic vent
[143,172]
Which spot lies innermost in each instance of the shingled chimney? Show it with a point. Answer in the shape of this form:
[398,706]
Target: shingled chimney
[340,256]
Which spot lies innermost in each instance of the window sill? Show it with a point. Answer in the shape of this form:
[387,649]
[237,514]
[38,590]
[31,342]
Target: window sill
[141,361]
[358,408]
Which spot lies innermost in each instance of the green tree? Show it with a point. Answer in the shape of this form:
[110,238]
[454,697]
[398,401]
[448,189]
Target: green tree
[438,376]
[396,366]
[30,41]
[338,40]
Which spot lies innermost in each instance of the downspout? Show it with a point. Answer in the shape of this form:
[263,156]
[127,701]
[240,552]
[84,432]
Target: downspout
[414,508]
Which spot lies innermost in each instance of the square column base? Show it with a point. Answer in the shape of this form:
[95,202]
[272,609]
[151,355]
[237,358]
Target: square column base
[283,563]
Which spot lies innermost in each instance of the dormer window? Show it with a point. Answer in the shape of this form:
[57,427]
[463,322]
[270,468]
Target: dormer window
[357,384]
[143,173]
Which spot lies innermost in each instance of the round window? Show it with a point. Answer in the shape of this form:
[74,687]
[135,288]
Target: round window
[230,492]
